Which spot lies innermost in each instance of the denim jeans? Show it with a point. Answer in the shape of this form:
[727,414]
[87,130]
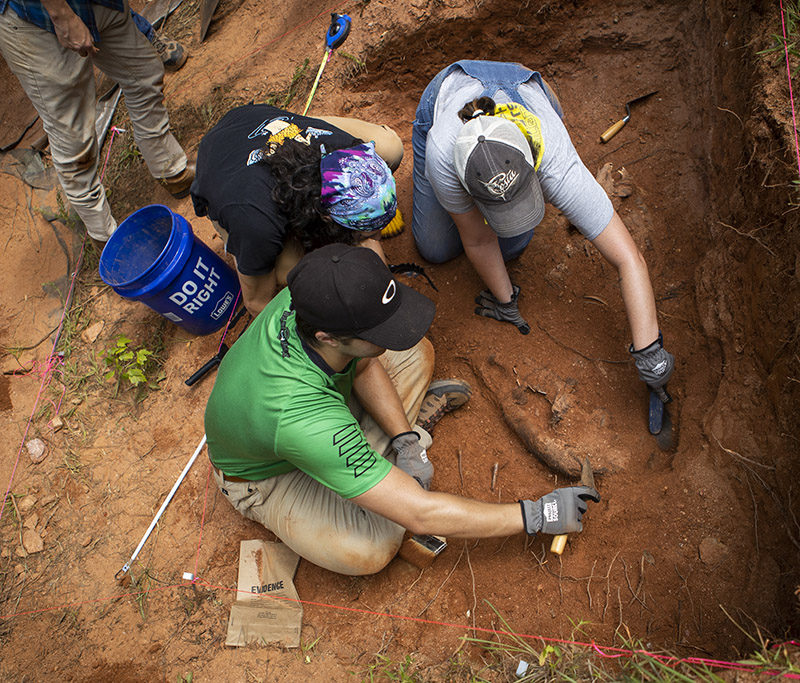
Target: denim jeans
[434,230]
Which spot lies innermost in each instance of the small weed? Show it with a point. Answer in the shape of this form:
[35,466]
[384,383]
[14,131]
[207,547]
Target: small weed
[130,155]
[185,678]
[307,648]
[384,669]
[142,585]
[65,213]
[128,364]
[283,100]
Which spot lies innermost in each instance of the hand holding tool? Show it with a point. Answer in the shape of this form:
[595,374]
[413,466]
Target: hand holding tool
[615,128]
[587,479]
[655,365]
[336,35]
[559,512]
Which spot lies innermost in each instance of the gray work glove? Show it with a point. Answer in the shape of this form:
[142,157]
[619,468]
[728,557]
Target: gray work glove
[412,458]
[489,307]
[655,365]
[559,512]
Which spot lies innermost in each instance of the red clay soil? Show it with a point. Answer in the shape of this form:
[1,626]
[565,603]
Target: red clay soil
[687,544]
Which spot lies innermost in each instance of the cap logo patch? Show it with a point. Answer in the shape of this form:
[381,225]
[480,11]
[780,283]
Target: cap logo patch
[388,295]
[502,183]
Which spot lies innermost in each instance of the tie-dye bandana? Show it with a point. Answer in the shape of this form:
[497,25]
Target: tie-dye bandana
[358,188]
[529,124]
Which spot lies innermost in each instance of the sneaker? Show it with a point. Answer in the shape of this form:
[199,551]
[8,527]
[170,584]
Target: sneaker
[443,396]
[171,52]
[178,185]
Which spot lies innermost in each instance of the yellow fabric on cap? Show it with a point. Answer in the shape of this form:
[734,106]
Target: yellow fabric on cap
[530,125]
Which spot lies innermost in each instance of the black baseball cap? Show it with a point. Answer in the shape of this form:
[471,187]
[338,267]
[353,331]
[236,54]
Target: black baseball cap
[348,290]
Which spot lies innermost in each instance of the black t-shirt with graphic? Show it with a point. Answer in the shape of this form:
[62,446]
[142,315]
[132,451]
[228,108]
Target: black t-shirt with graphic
[232,188]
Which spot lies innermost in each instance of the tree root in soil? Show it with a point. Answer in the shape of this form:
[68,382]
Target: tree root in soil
[556,456]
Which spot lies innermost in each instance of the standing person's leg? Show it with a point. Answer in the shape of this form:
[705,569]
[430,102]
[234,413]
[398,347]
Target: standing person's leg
[388,144]
[60,84]
[127,57]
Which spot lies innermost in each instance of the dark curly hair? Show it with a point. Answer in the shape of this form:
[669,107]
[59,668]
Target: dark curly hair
[298,186]
[483,106]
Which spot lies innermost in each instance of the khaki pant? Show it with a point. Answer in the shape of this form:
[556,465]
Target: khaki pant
[60,84]
[317,523]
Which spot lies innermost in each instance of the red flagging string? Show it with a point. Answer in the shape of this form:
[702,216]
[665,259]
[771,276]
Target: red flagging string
[789,77]
[114,131]
[605,652]
[230,317]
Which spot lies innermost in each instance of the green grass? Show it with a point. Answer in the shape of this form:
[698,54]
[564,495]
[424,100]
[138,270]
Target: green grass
[283,98]
[792,21]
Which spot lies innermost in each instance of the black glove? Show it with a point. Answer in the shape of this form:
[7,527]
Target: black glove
[559,512]
[412,458]
[489,307]
[655,365]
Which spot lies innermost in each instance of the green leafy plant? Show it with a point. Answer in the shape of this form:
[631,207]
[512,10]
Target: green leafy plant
[126,363]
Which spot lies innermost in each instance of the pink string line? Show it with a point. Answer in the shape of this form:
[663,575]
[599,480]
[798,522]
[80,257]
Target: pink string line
[789,77]
[671,661]
[53,359]
[230,317]
[114,131]
[735,666]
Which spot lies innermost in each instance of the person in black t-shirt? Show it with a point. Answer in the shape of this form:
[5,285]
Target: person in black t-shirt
[240,162]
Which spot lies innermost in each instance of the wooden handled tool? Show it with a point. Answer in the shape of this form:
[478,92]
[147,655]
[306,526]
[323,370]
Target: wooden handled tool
[615,128]
[587,479]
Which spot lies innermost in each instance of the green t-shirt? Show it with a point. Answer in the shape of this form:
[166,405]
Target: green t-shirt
[274,409]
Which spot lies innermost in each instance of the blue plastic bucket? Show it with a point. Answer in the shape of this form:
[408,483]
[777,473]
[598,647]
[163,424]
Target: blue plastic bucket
[154,257]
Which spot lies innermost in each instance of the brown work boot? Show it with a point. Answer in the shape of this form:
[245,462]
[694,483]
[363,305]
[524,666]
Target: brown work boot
[172,54]
[178,185]
[443,396]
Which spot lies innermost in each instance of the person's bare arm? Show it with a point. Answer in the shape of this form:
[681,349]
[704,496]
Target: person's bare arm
[374,243]
[400,498]
[378,396]
[71,32]
[618,248]
[257,291]
[483,251]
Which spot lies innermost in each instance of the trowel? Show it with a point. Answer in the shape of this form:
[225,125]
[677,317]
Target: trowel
[659,420]
[615,128]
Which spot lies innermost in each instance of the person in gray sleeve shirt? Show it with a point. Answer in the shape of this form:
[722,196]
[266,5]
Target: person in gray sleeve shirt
[489,150]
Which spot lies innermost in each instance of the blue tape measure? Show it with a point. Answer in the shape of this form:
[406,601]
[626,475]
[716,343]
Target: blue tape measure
[338,30]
